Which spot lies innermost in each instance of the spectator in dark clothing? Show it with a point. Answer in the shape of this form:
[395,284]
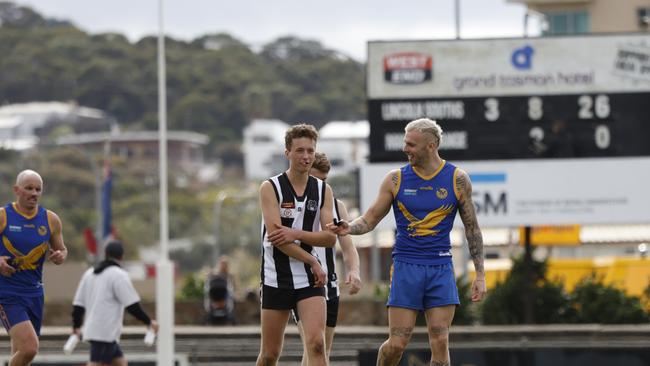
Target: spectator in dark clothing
[219,295]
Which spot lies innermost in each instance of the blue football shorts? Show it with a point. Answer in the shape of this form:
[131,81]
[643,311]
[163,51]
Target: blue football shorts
[422,287]
[16,309]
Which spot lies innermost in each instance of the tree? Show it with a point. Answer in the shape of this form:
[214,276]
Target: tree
[215,83]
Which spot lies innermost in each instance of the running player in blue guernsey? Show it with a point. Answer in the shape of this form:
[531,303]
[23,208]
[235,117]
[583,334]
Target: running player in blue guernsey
[425,196]
[29,234]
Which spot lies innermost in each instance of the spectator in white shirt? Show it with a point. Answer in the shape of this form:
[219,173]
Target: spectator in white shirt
[103,294]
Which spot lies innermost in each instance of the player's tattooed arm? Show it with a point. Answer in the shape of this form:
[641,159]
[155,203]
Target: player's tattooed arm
[359,226]
[394,178]
[379,208]
[468,216]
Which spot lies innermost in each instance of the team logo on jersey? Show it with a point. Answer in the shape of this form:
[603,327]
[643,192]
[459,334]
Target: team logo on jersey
[27,261]
[312,205]
[410,192]
[42,230]
[441,193]
[425,226]
[286,213]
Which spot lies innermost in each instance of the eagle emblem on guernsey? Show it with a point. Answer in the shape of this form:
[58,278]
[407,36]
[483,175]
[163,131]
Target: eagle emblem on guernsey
[42,230]
[424,227]
[25,261]
[441,193]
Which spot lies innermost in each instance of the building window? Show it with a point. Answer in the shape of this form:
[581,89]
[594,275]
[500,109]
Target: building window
[574,22]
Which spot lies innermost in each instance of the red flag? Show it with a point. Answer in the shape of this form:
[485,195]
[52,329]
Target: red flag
[91,243]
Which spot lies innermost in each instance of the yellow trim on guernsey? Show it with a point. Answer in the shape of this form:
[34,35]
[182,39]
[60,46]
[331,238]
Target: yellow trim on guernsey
[425,177]
[3,219]
[455,186]
[28,217]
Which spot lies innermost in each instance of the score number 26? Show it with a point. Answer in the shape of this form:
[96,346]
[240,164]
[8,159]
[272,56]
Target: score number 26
[588,107]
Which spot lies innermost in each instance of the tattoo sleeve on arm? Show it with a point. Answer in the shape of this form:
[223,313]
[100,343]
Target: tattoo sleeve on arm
[468,216]
[359,226]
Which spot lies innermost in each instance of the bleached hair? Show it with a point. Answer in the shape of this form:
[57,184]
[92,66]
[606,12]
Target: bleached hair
[426,126]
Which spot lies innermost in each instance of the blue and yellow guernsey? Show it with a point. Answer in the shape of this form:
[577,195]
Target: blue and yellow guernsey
[424,208]
[25,240]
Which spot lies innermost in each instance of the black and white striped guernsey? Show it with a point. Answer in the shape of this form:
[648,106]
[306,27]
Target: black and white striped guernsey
[303,213]
[330,261]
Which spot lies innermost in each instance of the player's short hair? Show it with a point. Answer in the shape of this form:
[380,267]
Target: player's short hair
[426,126]
[321,163]
[298,131]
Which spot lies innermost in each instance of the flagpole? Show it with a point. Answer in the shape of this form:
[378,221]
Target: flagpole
[164,268]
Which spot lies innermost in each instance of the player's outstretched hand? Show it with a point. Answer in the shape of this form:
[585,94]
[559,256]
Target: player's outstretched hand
[339,227]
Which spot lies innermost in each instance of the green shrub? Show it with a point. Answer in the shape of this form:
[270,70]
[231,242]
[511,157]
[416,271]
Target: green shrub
[192,288]
[596,302]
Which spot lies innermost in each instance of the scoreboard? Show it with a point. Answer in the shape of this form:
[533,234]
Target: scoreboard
[560,97]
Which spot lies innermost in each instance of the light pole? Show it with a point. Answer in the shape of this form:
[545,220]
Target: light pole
[164,268]
[457,17]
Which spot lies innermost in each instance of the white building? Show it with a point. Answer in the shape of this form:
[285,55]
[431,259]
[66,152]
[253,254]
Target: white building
[264,148]
[20,124]
[345,143]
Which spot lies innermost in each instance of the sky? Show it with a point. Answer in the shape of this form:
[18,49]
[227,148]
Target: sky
[342,25]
